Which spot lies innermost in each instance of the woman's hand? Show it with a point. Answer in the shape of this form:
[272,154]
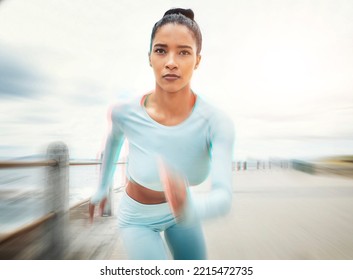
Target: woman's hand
[175,189]
[91,208]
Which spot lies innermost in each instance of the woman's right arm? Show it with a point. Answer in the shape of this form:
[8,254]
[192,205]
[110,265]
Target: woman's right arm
[111,154]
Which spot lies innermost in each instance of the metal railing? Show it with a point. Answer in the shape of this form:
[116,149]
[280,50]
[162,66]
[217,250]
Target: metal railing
[56,200]
[23,164]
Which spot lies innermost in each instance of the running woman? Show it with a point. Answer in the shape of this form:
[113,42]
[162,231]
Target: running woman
[176,141]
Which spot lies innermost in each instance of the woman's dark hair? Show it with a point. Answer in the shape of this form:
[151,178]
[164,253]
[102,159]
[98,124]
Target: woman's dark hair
[180,16]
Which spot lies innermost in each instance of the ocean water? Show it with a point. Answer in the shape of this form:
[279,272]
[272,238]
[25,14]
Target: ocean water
[22,192]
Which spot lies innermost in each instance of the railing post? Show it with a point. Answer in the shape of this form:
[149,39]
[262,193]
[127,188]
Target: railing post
[57,200]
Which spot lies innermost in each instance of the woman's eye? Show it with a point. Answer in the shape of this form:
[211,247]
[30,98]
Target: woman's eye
[184,52]
[160,51]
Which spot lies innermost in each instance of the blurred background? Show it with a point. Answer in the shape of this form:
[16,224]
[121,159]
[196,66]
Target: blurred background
[282,70]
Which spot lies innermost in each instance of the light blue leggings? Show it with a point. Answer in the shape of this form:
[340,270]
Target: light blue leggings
[141,227]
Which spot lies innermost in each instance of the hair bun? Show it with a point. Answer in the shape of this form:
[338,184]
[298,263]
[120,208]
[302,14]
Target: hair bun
[185,12]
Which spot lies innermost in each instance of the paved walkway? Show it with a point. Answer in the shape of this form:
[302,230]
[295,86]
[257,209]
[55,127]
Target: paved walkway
[276,214]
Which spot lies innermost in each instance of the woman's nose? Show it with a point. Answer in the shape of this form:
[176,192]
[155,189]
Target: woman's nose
[171,62]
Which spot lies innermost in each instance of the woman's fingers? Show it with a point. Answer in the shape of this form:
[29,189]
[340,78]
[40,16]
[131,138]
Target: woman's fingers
[179,195]
[91,208]
[91,211]
[174,188]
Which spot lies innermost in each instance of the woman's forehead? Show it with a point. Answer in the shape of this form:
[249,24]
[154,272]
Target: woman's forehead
[172,33]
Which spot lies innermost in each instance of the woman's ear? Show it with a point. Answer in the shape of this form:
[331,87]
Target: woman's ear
[198,60]
[149,59]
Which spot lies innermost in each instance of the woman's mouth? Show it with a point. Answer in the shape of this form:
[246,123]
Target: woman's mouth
[171,77]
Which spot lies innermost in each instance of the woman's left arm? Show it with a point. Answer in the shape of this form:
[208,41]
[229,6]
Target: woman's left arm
[218,201]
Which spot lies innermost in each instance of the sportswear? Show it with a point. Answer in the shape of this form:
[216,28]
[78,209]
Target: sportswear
[200,146]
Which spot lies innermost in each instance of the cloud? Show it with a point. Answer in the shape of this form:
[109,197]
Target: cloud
[17,79]
[88,93]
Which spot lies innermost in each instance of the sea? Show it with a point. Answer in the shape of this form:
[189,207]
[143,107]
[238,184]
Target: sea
[22,192]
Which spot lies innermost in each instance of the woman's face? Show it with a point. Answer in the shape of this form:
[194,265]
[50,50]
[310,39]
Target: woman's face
[173,57]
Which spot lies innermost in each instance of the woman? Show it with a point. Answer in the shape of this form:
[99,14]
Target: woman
[176,140]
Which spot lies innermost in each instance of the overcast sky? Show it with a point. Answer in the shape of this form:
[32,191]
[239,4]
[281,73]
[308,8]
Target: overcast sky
[283,71]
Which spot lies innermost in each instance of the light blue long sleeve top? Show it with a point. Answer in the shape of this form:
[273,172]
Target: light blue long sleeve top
[199,147]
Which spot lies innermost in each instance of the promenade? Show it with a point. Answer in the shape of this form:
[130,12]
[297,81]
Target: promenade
[276,215]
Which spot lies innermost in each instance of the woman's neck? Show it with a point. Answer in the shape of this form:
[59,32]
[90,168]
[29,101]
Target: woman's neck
[170,108]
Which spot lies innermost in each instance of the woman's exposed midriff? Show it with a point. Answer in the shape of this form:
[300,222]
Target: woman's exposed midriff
[144,195]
